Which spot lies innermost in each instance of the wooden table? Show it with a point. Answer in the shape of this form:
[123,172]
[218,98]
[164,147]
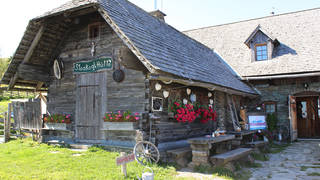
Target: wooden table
[202,146]
[243,137]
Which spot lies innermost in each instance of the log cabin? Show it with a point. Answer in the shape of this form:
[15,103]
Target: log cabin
[279,56]
[94,57]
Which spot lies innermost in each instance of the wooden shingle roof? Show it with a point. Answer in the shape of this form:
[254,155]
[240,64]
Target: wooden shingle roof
[298,52]
[169,50]
[160,47]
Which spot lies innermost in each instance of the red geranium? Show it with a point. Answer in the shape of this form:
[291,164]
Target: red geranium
[189,113]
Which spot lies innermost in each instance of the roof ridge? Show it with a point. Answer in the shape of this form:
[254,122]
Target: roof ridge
[246,20]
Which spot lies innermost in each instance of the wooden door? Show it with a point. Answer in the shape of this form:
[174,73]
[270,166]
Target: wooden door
[90,105]
[293,118]
[307,116]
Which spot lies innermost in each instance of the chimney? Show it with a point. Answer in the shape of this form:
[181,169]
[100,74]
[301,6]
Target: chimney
[158,14]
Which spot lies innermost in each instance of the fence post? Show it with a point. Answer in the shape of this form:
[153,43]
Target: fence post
[7,124]
[6,127]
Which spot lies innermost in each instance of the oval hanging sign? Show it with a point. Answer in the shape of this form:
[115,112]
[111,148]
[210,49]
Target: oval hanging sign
[93,66]
[57,69]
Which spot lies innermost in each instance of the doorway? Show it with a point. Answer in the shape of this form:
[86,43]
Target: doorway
[308,113]
[90,105]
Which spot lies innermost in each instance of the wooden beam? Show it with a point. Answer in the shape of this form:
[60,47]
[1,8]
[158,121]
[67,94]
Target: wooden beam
[39,86]
[33,45]
[208,86]
[43,98]
[24,89]
[28,55]
[13,81]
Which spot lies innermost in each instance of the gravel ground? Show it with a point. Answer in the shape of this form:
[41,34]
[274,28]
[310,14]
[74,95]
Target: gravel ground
[300,161]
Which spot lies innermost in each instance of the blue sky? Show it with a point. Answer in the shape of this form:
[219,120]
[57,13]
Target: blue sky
[181,14]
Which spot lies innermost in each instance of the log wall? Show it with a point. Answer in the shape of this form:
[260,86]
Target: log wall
[167,131]
[127,95]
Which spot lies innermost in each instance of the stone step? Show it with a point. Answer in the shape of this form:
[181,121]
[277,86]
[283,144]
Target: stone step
[181,156]
[80,146]
[236,154]
[55,142]
[179,152]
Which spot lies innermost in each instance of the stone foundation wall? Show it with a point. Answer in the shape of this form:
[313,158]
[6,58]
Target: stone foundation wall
[279,90]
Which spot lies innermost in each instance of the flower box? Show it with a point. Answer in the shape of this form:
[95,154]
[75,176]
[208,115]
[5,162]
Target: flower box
[120,126]
[55,126]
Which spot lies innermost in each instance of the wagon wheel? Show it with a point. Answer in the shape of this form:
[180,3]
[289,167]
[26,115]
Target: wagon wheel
[146,153]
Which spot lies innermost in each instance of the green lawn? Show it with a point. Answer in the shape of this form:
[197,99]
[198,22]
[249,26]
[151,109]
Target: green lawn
[25,159]
[4,106]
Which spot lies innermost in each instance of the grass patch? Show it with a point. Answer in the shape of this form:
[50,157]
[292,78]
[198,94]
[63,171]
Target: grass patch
[303,168]
[314,174]
[253,165]
[277,148]
[25,159]
[316,164]
[4,105]
[260,157]
[222,172]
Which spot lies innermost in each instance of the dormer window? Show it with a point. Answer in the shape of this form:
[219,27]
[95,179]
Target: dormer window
[261,44]
[261,51]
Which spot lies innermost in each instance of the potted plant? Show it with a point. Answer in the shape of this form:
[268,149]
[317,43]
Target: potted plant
[122,121]
[56,121]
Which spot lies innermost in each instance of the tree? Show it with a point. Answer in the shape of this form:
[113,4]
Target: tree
[4,63]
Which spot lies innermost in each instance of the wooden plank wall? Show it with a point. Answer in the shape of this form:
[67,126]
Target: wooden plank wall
[127,95]
[76,48]
[27,115]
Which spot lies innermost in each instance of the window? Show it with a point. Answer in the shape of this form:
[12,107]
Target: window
[270,107]
[94,31]
[304,112]
[261,52]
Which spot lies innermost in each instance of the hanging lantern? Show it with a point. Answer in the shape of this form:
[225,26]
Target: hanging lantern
[165,94]
[158,87]
[185,101]
[209,94]
[211,101]
[188,91]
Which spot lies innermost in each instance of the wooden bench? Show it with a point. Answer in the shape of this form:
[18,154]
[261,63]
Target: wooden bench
[180,156]
[257,144]
[224,158]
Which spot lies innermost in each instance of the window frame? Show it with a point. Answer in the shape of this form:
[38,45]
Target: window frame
[256,51]
[90,27]
[270,103]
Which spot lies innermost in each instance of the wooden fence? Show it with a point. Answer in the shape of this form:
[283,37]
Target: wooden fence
[27,115]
